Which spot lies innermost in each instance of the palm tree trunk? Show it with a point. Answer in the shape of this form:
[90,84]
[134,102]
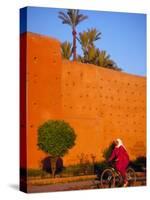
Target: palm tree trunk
[74,44]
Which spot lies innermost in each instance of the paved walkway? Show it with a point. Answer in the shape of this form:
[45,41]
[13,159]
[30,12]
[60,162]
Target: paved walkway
[89,184]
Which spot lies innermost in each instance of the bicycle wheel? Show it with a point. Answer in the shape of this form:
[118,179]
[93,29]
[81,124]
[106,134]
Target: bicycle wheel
[118,180]
[107,179]
[131,176]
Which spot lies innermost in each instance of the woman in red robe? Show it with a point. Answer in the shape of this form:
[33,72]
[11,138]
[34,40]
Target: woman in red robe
[121,157]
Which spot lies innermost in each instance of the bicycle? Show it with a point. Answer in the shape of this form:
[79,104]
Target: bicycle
[111,178]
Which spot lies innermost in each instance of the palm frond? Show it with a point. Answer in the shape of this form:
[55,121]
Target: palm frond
[80,18]
[66,48]
[94,34]
[72,17]
[65,19]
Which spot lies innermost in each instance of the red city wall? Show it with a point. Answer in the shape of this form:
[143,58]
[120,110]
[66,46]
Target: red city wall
[100,104]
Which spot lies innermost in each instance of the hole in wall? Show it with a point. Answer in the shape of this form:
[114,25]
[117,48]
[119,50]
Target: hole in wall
[35,58]
[81,75]
[55,52]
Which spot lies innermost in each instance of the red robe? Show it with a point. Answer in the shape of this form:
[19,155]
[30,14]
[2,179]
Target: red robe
[121,157]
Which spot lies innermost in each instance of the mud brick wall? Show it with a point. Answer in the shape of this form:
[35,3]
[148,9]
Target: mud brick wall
[100,104]
[43,91]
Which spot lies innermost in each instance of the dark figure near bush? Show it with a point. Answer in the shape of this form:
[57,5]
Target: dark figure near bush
[46,165]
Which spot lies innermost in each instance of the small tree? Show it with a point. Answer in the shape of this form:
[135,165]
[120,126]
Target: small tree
[55,137]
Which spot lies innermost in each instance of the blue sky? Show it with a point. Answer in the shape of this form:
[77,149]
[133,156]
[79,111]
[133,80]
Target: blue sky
[123,34]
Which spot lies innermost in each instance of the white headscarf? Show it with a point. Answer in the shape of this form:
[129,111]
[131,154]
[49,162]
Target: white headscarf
[119,143]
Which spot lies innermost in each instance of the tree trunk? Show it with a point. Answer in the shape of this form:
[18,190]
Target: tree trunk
[53,165]
[74,43]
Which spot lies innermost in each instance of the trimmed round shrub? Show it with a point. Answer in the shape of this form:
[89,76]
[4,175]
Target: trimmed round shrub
[56,137]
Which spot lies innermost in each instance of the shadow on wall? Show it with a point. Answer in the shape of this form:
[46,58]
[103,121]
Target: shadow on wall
[46,165]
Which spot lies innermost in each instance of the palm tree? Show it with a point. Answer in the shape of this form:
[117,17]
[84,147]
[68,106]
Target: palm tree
[66,49]
[103,60]
[94,56]
[93,35]
[87,39]
[72,18]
